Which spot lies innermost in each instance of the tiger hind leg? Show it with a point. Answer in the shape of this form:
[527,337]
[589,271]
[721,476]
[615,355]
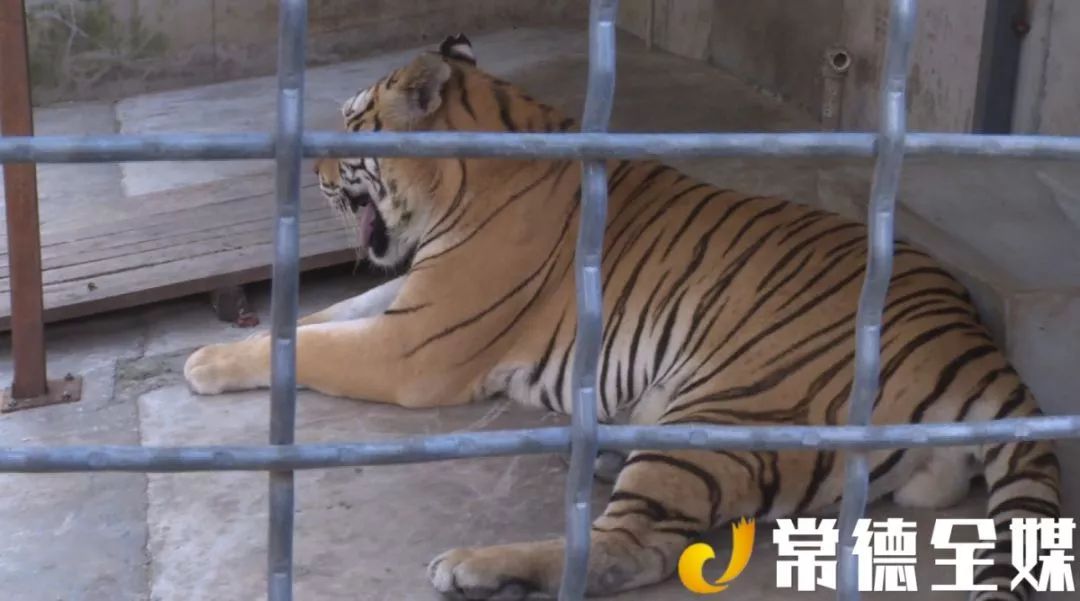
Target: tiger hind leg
[1022,479]
[662,501]
[943,481]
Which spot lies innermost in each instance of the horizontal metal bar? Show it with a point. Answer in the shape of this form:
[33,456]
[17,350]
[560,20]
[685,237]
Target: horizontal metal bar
[197,147]
[107,148]
[864,438]
[1026,147]
[441,447]
[284,457]
[590,145]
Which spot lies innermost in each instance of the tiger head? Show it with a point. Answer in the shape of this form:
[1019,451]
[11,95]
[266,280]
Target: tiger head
[389,202]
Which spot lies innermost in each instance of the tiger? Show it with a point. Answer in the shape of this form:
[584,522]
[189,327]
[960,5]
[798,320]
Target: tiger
[719,307]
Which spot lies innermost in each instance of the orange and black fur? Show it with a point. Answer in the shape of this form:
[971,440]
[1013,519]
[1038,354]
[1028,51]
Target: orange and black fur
[720,307]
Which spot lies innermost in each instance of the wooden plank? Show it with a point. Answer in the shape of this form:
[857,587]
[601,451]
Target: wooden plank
[177,205]
[151,236]
[176,244]
[224,241]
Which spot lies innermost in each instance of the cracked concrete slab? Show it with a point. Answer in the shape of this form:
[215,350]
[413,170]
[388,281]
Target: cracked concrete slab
[207,532]
[69,537]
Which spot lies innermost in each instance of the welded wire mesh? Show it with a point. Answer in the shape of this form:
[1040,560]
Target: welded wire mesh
[584,438]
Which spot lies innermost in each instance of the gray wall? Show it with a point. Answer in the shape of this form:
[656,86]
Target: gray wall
[1048,95]
[91,49]
[779,45]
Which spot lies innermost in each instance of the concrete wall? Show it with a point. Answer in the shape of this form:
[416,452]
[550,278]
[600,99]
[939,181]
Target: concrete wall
[780,46]
[91,49]
[1048,94]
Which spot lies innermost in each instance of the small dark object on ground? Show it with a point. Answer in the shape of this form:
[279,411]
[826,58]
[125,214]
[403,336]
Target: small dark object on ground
[231,304]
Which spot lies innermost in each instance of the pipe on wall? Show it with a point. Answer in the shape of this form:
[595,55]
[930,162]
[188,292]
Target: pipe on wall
[835,68]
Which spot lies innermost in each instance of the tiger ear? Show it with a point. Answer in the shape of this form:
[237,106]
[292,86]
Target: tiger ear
[458,47]
[417,91]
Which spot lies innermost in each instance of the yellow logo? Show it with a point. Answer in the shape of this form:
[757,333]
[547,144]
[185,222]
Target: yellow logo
[693,558]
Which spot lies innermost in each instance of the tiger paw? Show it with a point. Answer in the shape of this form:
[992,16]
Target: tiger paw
[502,573]
[219,368]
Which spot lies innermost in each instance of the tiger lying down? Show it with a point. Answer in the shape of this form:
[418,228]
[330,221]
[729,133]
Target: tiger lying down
[720,307]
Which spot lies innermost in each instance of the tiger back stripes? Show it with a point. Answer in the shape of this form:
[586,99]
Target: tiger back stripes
[720,307]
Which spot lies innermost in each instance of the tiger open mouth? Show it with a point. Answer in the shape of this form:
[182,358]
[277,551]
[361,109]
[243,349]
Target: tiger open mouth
[371,231]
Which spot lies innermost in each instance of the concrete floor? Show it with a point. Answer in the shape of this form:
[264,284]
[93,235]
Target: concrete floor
[366,534]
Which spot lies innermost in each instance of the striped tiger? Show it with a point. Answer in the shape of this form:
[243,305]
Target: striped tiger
[719,307]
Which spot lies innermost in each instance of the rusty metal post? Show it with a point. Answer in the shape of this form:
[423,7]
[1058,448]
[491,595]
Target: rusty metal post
[29,386]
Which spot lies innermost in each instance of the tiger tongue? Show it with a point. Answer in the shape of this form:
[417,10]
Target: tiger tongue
[365,221]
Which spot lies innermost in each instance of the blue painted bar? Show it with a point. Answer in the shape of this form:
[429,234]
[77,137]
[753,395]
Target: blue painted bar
[285,298]
[535,441]
[886,183]
[200,147]
[599,99]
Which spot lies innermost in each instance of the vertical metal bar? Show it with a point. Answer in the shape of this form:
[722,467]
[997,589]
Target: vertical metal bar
[21,200]
[890,155]
[287,151]
[587,264]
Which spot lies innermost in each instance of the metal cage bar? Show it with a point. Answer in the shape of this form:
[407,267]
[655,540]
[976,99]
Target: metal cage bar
[886,183]
[584,438]
[292,19]
[599,98]
[190,147]
[498,443]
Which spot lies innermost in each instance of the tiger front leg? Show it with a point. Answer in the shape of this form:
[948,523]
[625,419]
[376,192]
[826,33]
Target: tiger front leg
[371,303]
[661,502]
[362,359]
[533,570]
